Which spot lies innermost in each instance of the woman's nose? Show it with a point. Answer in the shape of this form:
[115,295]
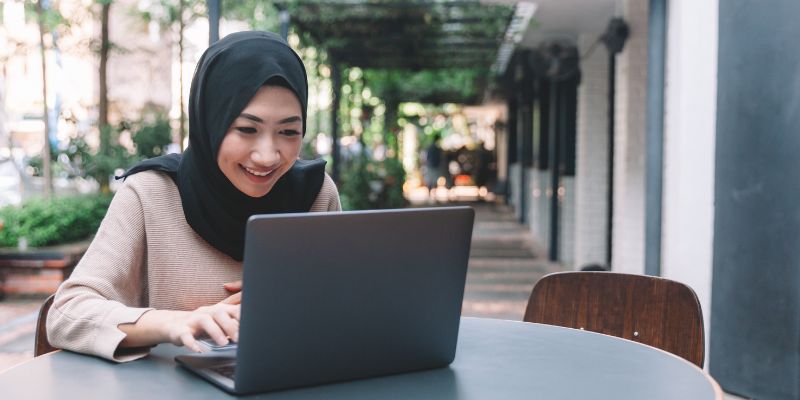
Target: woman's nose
[265,152]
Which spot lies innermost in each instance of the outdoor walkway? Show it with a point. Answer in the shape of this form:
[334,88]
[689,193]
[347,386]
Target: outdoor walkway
[502,270]
[503,266]
[17,325]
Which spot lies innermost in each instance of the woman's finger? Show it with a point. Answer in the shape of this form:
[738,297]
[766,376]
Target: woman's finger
[235,312]
[189,341]
[233,299]
[233,286]
[213,330]
[228,324]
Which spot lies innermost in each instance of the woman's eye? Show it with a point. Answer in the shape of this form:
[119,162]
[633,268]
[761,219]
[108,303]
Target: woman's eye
[246,130]
[289,133]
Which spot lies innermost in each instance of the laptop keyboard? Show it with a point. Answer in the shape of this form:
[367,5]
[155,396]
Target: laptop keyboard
[224,370]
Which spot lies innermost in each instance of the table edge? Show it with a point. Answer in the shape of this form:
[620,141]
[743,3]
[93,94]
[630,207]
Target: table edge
[718,392]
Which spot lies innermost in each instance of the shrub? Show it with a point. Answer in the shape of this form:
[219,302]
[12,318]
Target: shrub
[369,184]
[49,222]
[152,136]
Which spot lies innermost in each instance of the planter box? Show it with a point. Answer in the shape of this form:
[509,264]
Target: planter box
[38,270]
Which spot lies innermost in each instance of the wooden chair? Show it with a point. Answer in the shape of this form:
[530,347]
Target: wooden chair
[645,309]
[41,345]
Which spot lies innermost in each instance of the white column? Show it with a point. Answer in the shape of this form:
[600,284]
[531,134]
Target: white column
[591,175]
[689,145]
[629,145]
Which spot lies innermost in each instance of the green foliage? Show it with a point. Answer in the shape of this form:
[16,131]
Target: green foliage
[354,189]
[167,12]
[428,86]
[369,184]
[152,137]
[101,165]
[151,134]
[260,15]
[48,222]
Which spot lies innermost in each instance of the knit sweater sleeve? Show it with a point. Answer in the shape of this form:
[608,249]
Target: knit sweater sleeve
[328,197]
[107,287]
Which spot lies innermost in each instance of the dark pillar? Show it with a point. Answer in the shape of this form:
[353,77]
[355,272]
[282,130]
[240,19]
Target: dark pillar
[755,305]
[524,91]
[511,133]
[542,132]
[553,155]
[513,149]
[336,87]
[214,11]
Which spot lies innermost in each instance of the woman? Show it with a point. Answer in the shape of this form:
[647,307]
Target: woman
[173,236]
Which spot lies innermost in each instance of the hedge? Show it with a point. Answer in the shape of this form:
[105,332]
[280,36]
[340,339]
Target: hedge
[50,222]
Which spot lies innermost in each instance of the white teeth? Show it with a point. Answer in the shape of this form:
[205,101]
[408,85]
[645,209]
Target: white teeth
[256,173]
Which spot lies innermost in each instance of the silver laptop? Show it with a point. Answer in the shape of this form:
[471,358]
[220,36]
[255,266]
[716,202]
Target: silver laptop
[330,297]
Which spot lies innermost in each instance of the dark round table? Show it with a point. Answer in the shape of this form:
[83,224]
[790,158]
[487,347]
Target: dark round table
[495,359]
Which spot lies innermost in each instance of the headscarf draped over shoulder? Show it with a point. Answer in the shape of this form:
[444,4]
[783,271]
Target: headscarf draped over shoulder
[228,75]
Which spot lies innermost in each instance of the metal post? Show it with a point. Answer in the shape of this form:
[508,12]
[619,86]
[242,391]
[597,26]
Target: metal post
[214,11]
[612,83]
[285,19]
[654,155]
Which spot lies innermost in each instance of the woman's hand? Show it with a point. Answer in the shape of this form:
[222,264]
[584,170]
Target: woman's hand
[182,328]
[236,289]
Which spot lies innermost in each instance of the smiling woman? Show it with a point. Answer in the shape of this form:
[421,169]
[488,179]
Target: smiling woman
[263,142]
[167,259]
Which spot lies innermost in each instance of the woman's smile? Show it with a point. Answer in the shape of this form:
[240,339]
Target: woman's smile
[259,175]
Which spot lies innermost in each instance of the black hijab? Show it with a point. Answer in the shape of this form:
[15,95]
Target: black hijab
[228,75]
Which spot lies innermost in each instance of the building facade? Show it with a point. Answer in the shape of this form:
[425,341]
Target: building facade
[685,179]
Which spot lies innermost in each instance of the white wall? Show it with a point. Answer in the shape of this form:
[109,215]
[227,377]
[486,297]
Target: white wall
[689,145]
[515,186]
[629,143]
[591,175]
[566,223]
[539,208]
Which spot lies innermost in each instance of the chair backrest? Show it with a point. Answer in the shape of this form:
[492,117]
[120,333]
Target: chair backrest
[645,309]
[41,345]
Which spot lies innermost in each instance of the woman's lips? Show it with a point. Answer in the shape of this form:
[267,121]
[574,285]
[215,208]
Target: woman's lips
[258,176]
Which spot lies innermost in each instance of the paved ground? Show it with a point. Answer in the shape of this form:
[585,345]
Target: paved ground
[17,325]
[503,266]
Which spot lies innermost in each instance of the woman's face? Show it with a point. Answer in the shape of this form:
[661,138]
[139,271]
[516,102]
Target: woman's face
[263,142]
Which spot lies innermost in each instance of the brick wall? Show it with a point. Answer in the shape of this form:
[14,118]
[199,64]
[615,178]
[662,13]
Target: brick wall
[28,281]
[591,175]
[629,152]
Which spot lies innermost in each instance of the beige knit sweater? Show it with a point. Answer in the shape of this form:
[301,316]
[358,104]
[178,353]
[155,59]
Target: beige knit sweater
[144,256]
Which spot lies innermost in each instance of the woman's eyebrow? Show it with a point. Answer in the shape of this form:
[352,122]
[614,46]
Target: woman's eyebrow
[290,119]
[261,121]
[251,117]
